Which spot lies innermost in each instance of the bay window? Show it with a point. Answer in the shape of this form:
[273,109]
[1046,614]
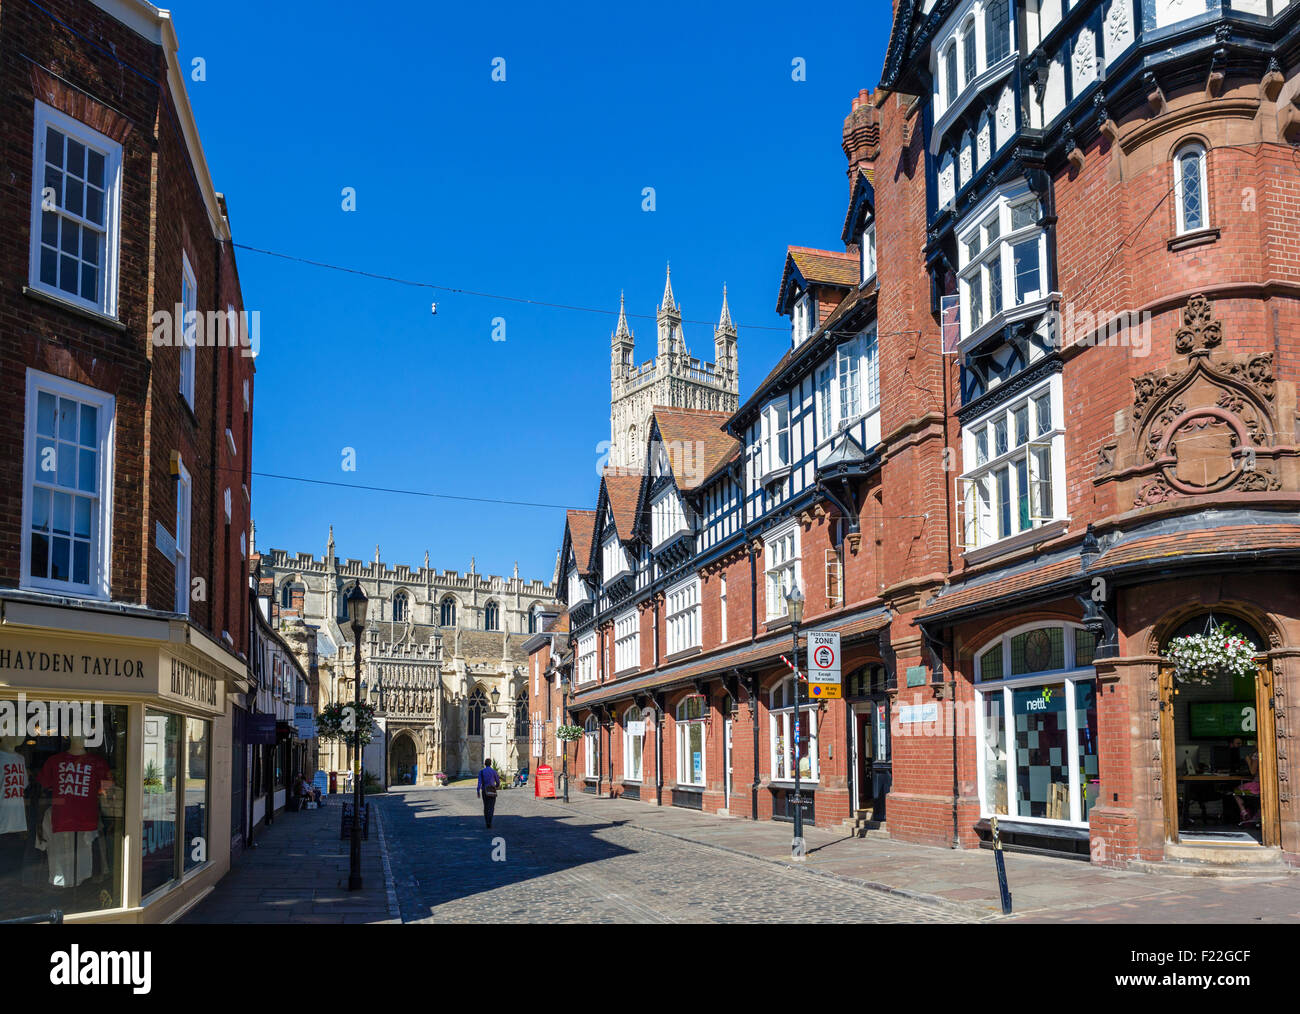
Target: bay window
[1036,696]
[775,438]
[627,638]
[785,751]
[848,386]
[577,594]
[980,38]
[666,518]
[586,658]
[68,468]
[782,552]
[1003,259]
[1016,460]
[683,613]
[76,197]
[690,741]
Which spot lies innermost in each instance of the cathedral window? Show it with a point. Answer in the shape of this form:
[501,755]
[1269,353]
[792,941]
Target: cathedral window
[447,612]
[286,595]
[492,617]
[477,708]
[401,604]
[521,714]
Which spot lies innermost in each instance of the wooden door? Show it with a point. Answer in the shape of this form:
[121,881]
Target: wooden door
[1168,754]
[1266,733]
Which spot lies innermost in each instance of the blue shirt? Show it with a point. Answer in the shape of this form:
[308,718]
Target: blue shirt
[488,776]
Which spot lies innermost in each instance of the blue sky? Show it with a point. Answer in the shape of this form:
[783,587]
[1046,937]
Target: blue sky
[529,187]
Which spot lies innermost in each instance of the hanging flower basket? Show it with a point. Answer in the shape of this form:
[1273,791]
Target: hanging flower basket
[1203,659]
[569,733]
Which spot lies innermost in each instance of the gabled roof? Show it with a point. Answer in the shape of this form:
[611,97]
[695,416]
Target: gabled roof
[695,443]
[579,526]
[862,204]
[806,266]
[912,31]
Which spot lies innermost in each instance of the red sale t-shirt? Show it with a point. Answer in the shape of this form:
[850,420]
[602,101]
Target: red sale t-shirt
[75,780]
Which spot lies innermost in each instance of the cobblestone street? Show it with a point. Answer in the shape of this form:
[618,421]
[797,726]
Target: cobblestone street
[562,866]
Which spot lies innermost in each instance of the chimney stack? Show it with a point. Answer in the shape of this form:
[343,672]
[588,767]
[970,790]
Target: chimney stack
[862,133]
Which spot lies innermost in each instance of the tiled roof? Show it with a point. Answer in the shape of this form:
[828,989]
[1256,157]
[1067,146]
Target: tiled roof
[1208,542]
[767,650]
[624,491]
[830,267]
[582,525]
[1000,586]
[695,443]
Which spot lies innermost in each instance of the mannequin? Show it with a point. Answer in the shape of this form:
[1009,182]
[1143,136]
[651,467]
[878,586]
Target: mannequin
[13,805]
[72,822]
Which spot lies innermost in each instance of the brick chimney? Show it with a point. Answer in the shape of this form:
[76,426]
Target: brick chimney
[862,133]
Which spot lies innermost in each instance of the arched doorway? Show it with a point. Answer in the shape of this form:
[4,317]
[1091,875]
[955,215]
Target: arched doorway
[1217,733]
[402,764]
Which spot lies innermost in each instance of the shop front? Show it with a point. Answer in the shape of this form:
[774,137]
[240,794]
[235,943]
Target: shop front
[115,753]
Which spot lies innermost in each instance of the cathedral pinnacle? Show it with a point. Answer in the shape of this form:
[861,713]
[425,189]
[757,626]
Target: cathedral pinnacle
[623,330]
[724,322]
[669,303]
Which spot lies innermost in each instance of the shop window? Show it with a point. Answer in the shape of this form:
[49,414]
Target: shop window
[195,792]
[591,747]
[632,745]
[785,753]
[62,807]
[690,741]
[1038,757]
[162,780]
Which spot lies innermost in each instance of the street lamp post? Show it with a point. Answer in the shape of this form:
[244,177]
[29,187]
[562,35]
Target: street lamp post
[357,614]
[795,599]
[564,712]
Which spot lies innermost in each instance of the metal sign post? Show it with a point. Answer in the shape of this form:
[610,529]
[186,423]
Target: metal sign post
[1001,863]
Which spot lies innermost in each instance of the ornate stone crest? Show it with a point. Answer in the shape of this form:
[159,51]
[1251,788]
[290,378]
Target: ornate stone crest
[1206,427]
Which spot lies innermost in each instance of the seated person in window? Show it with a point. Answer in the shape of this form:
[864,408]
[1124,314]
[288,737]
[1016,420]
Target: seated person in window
[1248,795]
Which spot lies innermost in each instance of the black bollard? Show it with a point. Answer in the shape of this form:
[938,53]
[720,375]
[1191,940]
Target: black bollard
[1000,860]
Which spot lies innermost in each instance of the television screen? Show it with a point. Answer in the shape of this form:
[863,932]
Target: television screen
[1222,719]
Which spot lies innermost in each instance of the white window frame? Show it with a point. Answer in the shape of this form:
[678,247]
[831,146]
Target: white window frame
[627,641]
[977,253]
[586,668]
[722,604]
[667,517]
[977,494]
[591,747]
[615,558]
[1202,165]
[188,325]
[577,588]
[774,439]
[853,372]
[951,45]
[1070,674]
[683,614]
[686,772]
[47,116]
[184,541]
[633,747]
[780,724]
[867,248]
[101,521]
[801,319]
[781,556]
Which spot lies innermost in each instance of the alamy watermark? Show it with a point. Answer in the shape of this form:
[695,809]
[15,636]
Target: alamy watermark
[1130,329]
[233,329]
[25,718]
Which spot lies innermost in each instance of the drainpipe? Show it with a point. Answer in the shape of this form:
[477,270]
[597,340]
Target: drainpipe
[753,708]
[659,749]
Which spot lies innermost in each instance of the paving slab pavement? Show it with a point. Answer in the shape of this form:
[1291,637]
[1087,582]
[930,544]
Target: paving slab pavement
[1042,888]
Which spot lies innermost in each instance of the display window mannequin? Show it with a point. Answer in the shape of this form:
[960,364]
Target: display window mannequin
[13,804]
[75,779]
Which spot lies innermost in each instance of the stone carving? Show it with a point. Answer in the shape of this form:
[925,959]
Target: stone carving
[1117,23]
[1085,57]
[1205,427]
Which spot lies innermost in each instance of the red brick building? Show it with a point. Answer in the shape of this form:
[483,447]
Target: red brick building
[127,365]
[1033,446]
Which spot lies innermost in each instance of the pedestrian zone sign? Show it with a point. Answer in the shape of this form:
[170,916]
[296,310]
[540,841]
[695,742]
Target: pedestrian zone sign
[823,659]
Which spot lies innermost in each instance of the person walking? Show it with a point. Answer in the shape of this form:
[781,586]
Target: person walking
[488,783]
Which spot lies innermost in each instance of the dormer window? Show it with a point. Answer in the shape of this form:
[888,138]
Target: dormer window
[868,244]
[802,318]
